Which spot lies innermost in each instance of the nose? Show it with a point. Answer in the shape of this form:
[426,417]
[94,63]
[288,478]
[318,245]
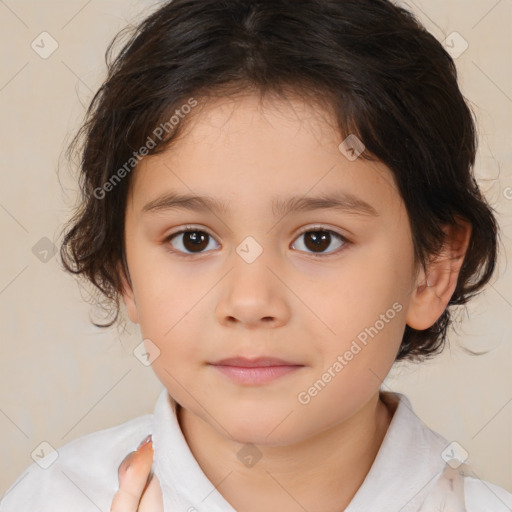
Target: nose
[254,296]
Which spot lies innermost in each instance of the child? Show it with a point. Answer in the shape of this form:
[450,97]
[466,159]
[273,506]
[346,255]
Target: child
[282,195]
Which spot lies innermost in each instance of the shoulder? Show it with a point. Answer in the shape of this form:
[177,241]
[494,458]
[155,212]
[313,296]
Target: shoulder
[79,476]
[482,496]
[412,444]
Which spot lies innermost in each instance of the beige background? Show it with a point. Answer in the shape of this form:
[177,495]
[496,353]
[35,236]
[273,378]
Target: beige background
[61,377]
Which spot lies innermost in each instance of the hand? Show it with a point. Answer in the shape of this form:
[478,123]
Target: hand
[139,491]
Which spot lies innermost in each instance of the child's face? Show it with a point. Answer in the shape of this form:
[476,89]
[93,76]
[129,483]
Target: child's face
[287,303]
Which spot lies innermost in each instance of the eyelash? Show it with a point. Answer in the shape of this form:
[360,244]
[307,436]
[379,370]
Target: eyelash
[190,228]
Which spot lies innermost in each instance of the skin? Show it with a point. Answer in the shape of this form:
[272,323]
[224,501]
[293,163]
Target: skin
[135,491]
[287,303]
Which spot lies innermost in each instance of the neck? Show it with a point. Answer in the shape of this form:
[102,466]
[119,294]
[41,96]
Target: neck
[323,472]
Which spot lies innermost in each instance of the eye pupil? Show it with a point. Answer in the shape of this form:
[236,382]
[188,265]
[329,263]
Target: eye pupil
[196,240]
[321,241]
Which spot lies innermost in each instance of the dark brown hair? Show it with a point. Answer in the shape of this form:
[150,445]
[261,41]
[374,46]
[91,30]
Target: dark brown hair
[381,74]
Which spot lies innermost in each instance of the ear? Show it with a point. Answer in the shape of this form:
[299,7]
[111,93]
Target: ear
[434,290]
[129,298]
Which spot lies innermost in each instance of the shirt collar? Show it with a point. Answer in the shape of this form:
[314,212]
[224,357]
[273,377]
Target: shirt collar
[184,484]
[406,464]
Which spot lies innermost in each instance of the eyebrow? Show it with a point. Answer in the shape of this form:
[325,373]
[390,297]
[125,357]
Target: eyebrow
[341,201]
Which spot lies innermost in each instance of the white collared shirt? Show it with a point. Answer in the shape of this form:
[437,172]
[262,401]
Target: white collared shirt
[409,473]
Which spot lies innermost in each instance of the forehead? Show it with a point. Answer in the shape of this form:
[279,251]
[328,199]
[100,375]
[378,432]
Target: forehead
[245,149]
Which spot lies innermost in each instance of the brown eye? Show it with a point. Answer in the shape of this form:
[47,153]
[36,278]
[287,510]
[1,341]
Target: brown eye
[318,240]
[190,241]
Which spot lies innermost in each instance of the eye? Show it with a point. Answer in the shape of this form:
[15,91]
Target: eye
[318,239]
[193,241]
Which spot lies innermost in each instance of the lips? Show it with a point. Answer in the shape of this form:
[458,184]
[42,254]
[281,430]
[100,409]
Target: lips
[259,362]
[256,371]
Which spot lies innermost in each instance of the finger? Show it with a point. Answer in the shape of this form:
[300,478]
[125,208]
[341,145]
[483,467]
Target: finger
[152,498]
[133,474]
[133,477]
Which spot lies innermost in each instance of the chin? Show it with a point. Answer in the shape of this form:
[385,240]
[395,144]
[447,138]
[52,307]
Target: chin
[270,430]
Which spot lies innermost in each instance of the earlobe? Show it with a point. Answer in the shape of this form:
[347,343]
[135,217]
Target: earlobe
[435,287]
[129,299]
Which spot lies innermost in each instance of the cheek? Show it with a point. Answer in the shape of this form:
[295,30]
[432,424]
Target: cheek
[365,306]
[167,292]
[181,352]
[356,363]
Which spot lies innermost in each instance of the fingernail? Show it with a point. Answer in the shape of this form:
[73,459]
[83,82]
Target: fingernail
[145,441]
